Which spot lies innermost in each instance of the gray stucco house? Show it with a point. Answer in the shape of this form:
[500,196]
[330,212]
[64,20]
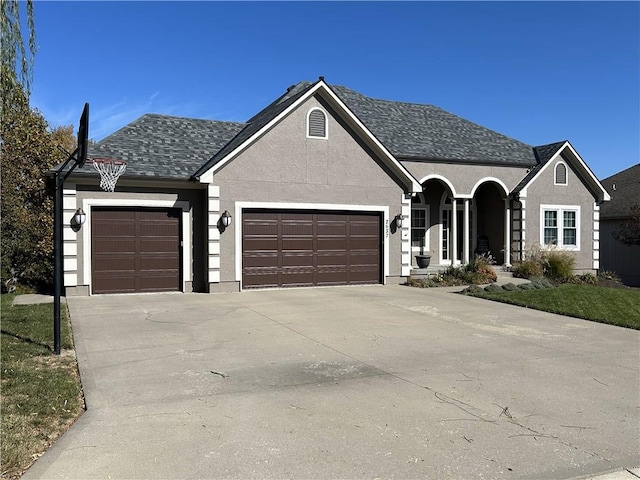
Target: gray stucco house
[316,184]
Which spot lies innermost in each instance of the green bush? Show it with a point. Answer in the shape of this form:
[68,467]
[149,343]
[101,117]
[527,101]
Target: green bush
[510,287]
[607,275]
[472,289]
[493,288]
[527,269]
[559,264]
[526,286]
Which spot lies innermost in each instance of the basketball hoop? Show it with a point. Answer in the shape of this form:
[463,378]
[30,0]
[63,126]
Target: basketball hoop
[110,170]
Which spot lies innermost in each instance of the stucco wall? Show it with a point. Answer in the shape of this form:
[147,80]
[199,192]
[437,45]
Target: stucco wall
[463,177]
[284,166]
[543,192]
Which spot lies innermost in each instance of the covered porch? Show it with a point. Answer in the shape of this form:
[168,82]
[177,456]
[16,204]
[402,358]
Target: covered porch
[452,228]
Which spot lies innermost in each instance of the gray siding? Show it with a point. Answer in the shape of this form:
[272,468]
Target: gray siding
[616,257]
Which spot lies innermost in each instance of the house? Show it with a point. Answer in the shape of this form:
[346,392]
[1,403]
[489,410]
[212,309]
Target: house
[324,186]
[624,260]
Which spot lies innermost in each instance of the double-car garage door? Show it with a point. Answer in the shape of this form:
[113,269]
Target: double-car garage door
[309,248]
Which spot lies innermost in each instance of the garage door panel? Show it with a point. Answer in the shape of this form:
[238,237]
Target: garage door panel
[297,229]
[261,244]
[168,265]
[265,279]
[150,230]
[303,259]
[299,244]
[135,250]
[311,248]
[108,246]
[332,258]
[260,229]
[260,260]
[332,244]
[111,229]
[157,245]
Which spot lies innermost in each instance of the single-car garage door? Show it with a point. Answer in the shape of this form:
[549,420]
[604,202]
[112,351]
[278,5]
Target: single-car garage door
[135,250]
[294,248]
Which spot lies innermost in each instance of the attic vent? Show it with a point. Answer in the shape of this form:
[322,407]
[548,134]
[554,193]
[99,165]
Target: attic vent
[561,174]
[317,124]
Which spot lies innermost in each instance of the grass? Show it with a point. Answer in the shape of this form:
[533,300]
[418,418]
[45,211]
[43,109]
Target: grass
[615,306]
[41,391]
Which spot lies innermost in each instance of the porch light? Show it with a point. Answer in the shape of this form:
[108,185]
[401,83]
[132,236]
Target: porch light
[226,218]
[399,220]
[79,217]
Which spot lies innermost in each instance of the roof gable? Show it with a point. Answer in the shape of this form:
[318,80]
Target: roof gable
[272,114]
[545,154]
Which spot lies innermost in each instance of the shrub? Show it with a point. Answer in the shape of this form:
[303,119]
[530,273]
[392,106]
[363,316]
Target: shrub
[471,289]
[510,287]
[607,275]
[493,288]
[526,286]
[527,269]
[559,264]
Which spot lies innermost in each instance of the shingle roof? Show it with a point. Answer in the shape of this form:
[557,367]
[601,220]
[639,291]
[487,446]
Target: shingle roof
[411,130]
[164,146]
[624,188]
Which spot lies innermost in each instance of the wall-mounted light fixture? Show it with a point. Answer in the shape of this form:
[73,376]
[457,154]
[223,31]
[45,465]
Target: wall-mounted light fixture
[399,220]
[226,218]
[79,217]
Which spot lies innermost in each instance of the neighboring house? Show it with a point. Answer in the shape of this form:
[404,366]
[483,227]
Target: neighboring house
[315,184]
[624,188]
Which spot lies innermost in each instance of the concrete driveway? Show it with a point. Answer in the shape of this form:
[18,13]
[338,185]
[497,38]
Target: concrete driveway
[360,382]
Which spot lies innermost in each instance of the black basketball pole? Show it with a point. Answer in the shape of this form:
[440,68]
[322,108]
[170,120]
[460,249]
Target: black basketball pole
[59,177]
[57,263]
[78,157]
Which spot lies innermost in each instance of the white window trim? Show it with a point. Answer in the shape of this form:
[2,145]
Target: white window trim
[239,206]
[185,241]
[555,174]
[561,209]
[326,124]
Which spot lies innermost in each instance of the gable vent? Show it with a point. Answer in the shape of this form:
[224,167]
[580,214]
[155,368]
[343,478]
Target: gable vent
[317,124]
[561,174]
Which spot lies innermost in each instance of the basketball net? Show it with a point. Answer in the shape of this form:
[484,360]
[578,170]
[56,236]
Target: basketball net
[110,170]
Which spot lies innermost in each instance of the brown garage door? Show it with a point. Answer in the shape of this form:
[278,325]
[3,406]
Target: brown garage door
[135,250]
[285,248]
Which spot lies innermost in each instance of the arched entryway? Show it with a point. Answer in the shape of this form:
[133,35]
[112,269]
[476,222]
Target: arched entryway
[491,221]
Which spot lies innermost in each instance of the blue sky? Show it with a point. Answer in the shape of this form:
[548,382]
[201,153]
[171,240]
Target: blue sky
[540,72]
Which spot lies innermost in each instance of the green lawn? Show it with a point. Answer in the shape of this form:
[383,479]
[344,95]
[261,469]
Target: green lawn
[41,392]
[615,306]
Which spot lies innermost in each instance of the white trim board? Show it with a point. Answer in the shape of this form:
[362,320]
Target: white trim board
[185,241]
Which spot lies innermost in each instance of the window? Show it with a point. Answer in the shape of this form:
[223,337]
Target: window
[560,226]
[418,228]
[316,124]
[561,174]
